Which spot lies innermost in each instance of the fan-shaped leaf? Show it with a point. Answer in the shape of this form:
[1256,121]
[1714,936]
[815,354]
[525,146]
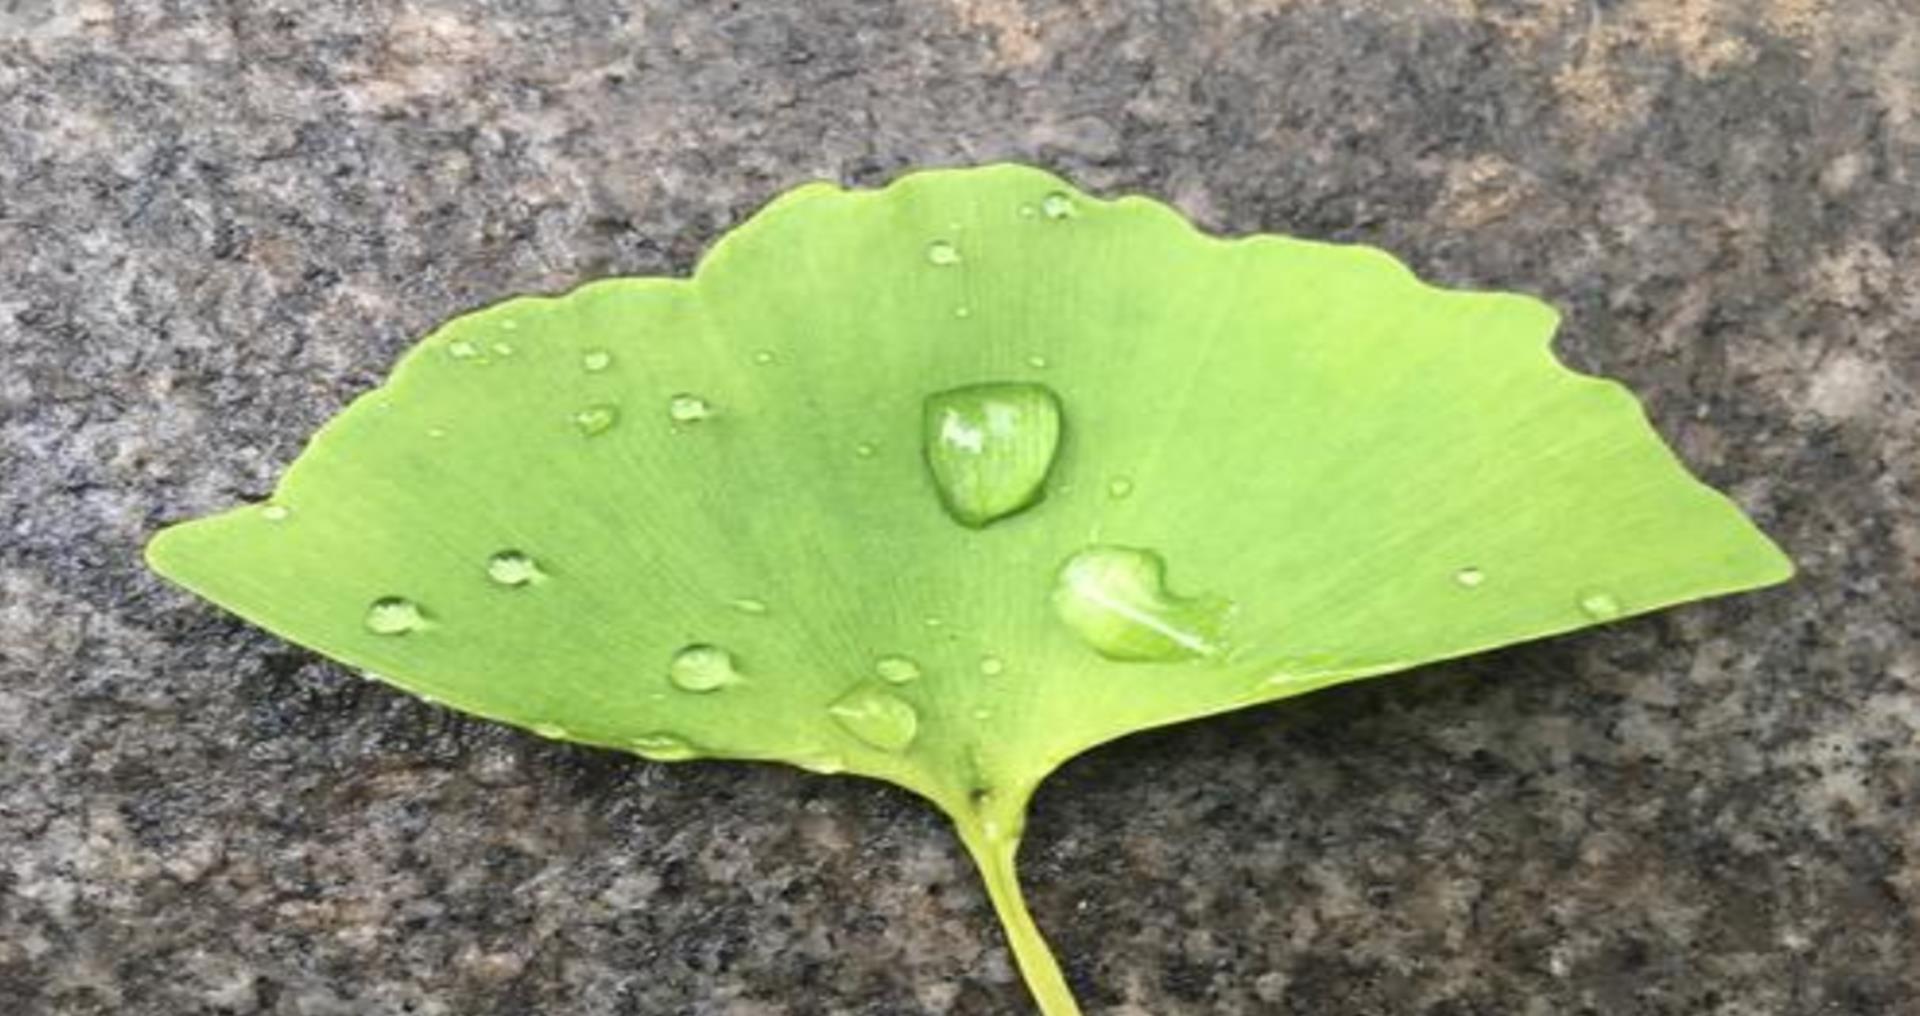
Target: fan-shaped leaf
[945,483]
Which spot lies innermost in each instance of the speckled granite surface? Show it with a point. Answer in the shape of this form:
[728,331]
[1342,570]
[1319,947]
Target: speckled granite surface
[221,220]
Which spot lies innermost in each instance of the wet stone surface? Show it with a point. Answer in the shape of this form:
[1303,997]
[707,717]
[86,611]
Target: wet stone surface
[223,221]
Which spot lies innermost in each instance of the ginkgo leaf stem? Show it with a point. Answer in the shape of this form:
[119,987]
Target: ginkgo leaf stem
[994,842]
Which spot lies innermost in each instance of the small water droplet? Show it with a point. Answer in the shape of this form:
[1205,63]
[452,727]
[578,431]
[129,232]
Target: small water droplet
[1037,362]
[596,419]
[823,762]
[983,714]
[864,450]
[1058,206]
[992,666]
[1028,211]
[764,357]
[748,605]
[551,731]
[686,408]
[943,254]
[989,447]
[896,669]
[394,615]
[1117,601]
[502,349]
[662,748]
[275,512]
[596,360]
[877,717]
[1307,665]
[1119,488]
[702,668]
[436,432]
[1469,577]
[934,622]
[963,312]
[509,325]
[1599,605]
[461,349]
[512,568]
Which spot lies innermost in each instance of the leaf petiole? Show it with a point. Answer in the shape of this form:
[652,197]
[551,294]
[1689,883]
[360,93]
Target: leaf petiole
[991,829]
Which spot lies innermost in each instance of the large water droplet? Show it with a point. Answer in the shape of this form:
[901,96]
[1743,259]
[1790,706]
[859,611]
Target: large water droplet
[1599,605]
[686,408]
[702,668]
[512,568]
[461,349]
[394,615]
[1117,601]
[1470,577]
[943,253]
[896,669]
[596,360]
[877,717]
[1058,206]
[662,748]
[597,419]
[989,447]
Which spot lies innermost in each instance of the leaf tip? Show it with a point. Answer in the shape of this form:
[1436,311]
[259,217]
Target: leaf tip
[162,552]
[1777,566]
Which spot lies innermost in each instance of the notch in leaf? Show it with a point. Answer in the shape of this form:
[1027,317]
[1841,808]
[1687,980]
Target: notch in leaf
[691,518]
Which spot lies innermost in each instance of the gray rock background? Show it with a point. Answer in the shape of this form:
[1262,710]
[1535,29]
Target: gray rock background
[221,220]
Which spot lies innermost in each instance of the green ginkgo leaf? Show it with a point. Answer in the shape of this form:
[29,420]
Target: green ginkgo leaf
[945,483]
